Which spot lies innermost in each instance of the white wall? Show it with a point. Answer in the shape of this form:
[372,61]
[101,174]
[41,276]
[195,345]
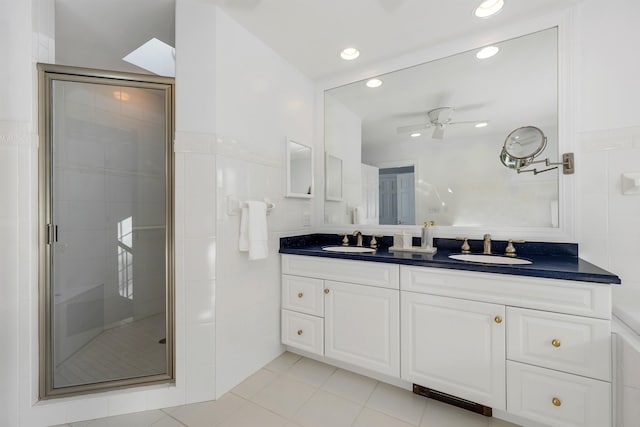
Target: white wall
[260,101]
[606,70]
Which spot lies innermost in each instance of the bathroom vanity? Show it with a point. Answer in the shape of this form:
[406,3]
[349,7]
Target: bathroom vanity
[532,342]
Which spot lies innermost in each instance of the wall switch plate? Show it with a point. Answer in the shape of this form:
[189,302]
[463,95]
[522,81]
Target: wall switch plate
[306,219]
[630,183]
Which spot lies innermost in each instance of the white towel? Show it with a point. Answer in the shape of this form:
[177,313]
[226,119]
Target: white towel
[253,230]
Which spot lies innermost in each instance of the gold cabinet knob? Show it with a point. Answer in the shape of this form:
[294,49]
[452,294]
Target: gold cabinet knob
[300,294]
[326,291]
[555,343]
[497,319]
[556,401]
[299,331]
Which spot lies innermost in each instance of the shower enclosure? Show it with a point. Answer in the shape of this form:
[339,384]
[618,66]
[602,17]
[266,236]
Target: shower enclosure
[106,237]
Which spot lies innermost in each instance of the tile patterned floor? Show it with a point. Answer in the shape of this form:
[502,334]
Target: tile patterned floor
[297,392]
[127,351]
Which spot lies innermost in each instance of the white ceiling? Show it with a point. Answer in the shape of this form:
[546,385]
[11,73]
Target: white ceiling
[307,33]
[98,34]
[310,33]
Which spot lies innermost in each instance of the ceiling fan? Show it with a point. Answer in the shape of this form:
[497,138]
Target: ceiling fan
[439,119]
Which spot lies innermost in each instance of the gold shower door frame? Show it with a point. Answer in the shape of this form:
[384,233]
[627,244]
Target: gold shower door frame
[47,74]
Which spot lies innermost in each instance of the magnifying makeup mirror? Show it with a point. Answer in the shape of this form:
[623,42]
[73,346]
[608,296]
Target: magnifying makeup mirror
[526,143]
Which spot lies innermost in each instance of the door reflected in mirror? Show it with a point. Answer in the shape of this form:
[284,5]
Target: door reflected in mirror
[299,164]
[448,119]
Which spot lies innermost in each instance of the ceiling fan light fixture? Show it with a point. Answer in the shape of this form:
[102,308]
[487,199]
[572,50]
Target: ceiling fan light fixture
[482,125]
[373,83]
[349,53]
[487,52]
[488,8]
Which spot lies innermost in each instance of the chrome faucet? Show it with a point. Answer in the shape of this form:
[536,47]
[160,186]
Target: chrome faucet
[487,244]
[358,235]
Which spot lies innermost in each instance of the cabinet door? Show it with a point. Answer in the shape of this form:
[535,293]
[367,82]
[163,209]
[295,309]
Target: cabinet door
[362,326]
[455,346]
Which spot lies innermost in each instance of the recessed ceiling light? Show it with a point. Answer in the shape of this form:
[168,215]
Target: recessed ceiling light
[481,125]
[349,53]
[372,83]
[488,8]
[487,52]
[415,134]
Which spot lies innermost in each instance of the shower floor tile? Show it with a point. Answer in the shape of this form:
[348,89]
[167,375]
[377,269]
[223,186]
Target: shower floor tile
[128,351]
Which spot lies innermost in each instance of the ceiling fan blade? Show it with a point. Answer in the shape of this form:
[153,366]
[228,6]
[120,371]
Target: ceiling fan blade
[438,132]
[413,128]
[470,107]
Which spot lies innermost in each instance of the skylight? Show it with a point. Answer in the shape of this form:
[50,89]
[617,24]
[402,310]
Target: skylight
[155,56]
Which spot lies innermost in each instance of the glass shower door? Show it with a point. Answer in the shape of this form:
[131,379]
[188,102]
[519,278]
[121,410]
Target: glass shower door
[107,294]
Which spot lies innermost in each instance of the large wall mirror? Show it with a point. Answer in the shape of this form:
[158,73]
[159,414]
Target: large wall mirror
[425,143]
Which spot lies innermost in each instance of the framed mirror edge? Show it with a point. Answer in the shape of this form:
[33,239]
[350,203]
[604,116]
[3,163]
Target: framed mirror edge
[564,22]
[288,192]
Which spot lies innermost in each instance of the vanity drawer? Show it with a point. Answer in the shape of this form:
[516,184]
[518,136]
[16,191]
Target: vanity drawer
[303,331]
[557,399]
[303,294]
[561,296]
[340,270]
[578,345]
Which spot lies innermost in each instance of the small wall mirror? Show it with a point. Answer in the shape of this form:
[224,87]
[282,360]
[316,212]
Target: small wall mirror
[299,162]
[522,146]
[333,174]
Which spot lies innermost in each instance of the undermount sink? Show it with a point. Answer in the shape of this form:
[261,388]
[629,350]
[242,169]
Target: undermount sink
[349,249]
[490,259]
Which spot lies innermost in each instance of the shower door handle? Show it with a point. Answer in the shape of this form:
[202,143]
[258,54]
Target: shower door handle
[52,234]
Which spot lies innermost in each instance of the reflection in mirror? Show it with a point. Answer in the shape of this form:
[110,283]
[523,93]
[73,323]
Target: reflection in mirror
[333,182]
[447,120]
[299,164]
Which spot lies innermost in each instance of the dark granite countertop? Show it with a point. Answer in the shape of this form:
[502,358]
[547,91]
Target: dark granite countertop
[549,260]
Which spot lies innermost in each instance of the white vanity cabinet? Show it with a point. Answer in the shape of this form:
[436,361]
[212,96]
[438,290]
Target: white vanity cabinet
[536,350]
[343,310]
[552,344]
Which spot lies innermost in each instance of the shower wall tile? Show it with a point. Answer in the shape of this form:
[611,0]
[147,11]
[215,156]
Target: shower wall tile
[200,383]
[200,195]
[9,290]
[200,301]
[200,260]
[200,344]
